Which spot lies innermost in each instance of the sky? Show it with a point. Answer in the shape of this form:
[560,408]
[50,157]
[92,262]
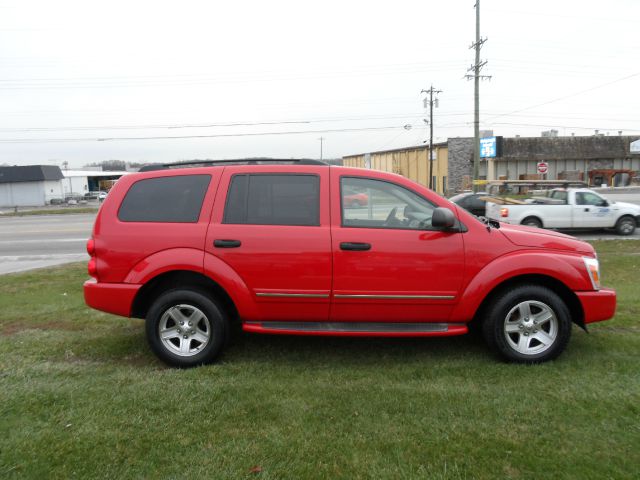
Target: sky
[149,81]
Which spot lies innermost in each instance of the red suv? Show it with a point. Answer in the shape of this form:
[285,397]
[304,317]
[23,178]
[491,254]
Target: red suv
[273,246]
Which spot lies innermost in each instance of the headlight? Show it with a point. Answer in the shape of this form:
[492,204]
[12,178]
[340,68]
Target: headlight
[593,267]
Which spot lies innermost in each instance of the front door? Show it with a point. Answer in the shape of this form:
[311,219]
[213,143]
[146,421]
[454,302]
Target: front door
[389,264]
[591,211]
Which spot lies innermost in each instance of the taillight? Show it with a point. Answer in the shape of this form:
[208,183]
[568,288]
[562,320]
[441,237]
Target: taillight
[92,267]
[91,247]
[504,212]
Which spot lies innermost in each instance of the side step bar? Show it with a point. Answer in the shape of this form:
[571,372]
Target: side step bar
[374,329]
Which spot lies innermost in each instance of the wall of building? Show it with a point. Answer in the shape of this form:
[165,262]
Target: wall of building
[410,162]
[53,189]
[27,194]
[460,163]
[520,156]
[77,185]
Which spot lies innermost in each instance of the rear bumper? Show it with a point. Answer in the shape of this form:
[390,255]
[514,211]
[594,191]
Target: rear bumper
[598,306]
[116,298]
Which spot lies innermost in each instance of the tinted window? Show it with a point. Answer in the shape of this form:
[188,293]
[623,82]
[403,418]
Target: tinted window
[166,199]
[382,205]
[476,203]
[273,200]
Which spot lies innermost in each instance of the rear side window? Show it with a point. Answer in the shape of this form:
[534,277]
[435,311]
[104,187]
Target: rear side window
[268,199]
[165,199]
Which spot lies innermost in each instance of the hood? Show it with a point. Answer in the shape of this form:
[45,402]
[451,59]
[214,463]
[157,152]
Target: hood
[540,238]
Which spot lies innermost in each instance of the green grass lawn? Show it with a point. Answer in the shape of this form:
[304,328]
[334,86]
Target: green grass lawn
[82,396]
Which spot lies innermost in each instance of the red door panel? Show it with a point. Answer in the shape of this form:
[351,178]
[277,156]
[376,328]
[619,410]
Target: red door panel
[407,274]
[125,247]
[287,268]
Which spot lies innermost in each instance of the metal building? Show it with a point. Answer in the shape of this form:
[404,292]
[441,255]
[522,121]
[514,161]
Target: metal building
[410,162]
[32,185]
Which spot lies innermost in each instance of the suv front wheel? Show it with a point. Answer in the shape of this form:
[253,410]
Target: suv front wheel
[528,324]
[186,328]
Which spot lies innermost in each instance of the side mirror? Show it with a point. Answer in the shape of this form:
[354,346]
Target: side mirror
[604,203]
[442,218]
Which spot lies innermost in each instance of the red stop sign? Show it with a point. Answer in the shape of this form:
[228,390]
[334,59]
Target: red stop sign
[543,167]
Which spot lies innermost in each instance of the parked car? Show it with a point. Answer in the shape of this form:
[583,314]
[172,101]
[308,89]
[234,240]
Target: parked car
[569,208]
[273,249]
[356,200]
[472,202]
[72,197]
[95,195]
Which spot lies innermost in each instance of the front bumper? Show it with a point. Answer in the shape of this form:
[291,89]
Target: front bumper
[599,305]
[116,298]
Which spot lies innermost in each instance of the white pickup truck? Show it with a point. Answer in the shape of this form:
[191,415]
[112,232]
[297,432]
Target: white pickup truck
[569,208]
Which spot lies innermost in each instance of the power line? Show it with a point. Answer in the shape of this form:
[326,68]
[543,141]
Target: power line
[213,124]
[575,94]
[183,137]
[572,17]
[180,80]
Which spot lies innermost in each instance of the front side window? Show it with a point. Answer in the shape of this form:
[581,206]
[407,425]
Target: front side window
[273,199]
[165,199]
[382,204]
[586,198]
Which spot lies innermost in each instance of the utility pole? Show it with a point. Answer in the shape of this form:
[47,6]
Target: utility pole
[431,101]
[321,140]
[475,68]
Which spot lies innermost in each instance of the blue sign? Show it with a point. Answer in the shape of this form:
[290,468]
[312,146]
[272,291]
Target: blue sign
[488,147]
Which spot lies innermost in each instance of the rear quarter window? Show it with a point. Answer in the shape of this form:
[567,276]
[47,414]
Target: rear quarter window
[166,199]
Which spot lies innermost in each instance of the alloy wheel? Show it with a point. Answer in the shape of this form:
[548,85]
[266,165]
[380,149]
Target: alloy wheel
[184,330]
[531,327]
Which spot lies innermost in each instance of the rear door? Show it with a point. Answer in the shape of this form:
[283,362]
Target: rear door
[389,264]
[270,224]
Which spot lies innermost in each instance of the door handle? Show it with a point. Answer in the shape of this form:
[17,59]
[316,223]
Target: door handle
[586,209]
[355,246]
[226,243]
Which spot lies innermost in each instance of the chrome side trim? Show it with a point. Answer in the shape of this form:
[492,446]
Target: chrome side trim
[356,327]
[293,295]
[400,297]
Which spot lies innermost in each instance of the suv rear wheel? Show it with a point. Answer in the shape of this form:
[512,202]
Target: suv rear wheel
[186,328]
[529,324]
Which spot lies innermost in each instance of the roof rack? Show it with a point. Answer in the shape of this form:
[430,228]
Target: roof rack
[240,161]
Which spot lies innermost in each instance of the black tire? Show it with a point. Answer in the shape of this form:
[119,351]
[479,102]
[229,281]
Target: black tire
[516,329]
[532,222]
[184,344]
[626,225]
